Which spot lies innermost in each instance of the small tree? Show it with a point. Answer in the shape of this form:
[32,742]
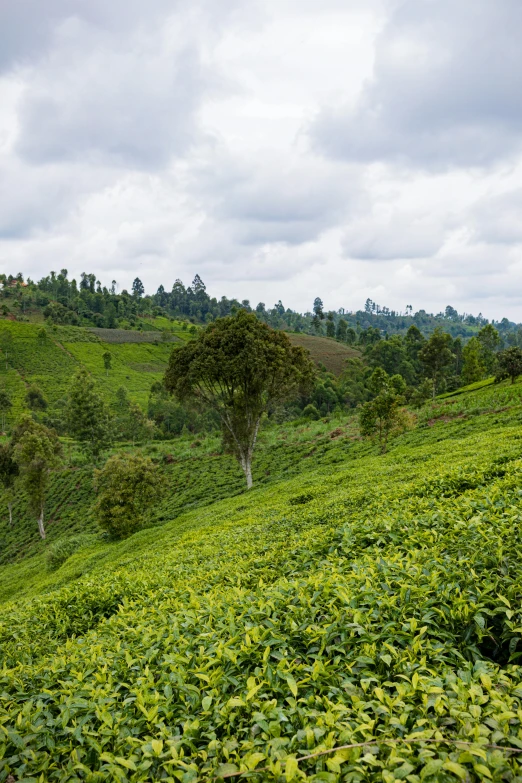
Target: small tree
[138,289]
[239,367]
[509,363]
[421,394]
[5,406]
[36,450]
[436,357]
[88,418]
[342,329]
[490,342]
[330,326]
[107,361]
[35,399]
[382,415]
[9,471]
[472,368]
[127,486]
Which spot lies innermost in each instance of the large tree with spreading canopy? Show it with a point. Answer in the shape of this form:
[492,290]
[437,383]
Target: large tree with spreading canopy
[240,367]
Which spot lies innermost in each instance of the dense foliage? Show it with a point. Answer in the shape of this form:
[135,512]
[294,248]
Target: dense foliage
[372,602]
[126,486]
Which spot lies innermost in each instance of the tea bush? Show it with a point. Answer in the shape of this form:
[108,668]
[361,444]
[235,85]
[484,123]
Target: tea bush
[383,607]
[59,551]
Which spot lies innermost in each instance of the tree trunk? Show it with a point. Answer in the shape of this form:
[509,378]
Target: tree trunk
[41,528]
[10,507]
[248,473]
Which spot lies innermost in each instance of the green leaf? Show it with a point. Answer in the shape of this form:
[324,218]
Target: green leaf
[125,763]
[456,769]
[292,684]
[291,767]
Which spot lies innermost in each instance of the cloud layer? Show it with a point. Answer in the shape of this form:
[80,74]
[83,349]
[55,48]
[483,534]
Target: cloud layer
[281,150]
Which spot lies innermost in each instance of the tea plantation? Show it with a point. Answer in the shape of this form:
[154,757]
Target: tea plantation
[138,359]
[353,618]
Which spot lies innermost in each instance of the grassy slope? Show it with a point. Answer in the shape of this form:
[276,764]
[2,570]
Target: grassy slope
[368,597]
[325,351]
[51,362]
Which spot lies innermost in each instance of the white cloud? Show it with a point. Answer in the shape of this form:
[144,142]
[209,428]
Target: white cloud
[169,138]
[445,89]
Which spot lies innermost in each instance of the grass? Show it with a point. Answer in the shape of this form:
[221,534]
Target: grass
[51,362]
[349,598]
[134,366]
[325,350]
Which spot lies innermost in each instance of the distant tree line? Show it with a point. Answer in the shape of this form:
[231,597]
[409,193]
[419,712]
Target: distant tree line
[89,303]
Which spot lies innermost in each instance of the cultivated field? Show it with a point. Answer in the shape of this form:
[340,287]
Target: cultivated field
[349,599]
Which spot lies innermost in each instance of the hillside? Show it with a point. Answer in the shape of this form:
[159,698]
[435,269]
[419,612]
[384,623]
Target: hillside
[325,350]
[354,599]
[139,358]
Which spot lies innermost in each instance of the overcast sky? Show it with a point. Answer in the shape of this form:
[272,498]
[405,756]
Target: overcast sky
[279,148]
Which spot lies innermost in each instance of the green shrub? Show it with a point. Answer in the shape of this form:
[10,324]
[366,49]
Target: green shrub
[61,550]
[311,412]
[127,485]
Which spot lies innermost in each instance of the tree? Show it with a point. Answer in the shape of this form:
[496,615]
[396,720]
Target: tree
[6,344]
[35,399]
[383,414]
[472,368]
[88,419]
[135,424]
[127,486]
[138,289]
[490,341]
[318,315]
[509,363]
[342,328]
[239,367]
[36,451]
[9,472]
[5,406]
[330,326]
[107,361]
[111,315]
[436,357]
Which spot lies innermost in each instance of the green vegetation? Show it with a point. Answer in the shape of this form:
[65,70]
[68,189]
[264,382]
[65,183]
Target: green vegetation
[355,616]
[240,368]
[367,600]
[126,486]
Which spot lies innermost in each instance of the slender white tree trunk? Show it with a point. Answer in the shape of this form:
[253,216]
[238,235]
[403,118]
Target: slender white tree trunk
[41,528]
[10,507]
[246,464]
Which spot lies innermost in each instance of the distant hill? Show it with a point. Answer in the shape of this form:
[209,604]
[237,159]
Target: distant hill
[326,351]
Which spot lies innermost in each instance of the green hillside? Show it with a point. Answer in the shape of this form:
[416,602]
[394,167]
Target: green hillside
[139,358]
[349,599]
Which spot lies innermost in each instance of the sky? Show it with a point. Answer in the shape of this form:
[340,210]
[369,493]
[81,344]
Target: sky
[281,149]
